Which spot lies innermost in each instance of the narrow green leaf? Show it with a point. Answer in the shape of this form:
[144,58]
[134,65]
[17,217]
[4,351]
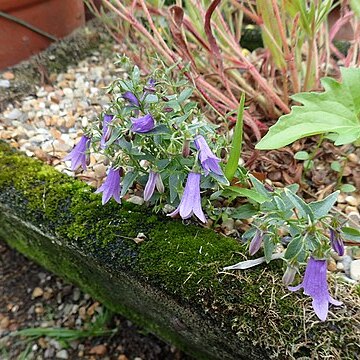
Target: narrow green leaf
[128,180]
[244,212]
[302,207]
[236,144]
[259,187]
[350,234]
[249,193]
[268,248]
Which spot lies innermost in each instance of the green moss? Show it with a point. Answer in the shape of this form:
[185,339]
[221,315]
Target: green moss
[247,312]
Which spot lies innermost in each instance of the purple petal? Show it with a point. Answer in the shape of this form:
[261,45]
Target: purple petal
[295,288]
[142,124]
[150,185]
[208,160]
[321,308]
[131,98]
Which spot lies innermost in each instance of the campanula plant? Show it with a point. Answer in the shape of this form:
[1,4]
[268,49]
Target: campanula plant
[152,134]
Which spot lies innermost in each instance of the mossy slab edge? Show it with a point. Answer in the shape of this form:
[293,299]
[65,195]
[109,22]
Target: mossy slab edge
[171,283]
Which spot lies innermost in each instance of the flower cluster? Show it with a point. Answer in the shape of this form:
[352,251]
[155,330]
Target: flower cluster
[156,139]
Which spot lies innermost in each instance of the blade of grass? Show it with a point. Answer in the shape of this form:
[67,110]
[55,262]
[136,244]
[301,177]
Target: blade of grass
[236,144]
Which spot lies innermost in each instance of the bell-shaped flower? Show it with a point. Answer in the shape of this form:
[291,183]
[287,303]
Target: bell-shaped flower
[336,242]
[190,202]
[142,124]
[256,242]
[153,180]
[208,160]
[77,156]
[111,186]
[131,98]
[106,131]
[289,275]
[315,285]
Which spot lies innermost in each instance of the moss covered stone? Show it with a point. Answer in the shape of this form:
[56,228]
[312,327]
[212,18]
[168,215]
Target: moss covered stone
[171,283]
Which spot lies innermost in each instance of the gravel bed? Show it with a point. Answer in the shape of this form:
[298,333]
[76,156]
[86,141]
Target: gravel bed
[31,297]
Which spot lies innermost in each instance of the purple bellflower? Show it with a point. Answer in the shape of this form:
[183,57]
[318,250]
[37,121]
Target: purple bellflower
[106,130]
[111,186]
[336,242]
[208,160]
[315,285]
[190,202]
[153,180]
[77,156]
[142,124]
[131,98]
[256,242]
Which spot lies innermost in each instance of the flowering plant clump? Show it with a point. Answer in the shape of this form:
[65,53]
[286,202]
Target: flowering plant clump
[154,135]
[310,233]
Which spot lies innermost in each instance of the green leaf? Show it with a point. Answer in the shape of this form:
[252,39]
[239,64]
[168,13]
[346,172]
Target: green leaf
[347,188]
[335,111]
[259,187]
[336,166]
[244,212]
[355,6]
[185,94]
[294,248]
[249,193]
[322,207]
[301,155]
[157,130]
[236,144]
[350,234]
[128,180]
[303,208]
[268,248]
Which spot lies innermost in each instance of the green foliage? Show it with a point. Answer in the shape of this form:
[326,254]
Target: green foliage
[235,151]
[335,112]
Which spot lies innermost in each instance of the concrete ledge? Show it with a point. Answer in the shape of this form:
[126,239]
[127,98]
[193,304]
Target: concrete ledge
[170,284]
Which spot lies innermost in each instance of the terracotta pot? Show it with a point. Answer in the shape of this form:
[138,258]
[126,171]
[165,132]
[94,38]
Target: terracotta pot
[56,17]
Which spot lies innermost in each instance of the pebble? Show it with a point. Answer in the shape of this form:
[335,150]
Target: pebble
[62,354]
[37,292]
[355,270]
[136,200]
[98,350]
[8,75]
[352,200]
[4,83]
[15,114]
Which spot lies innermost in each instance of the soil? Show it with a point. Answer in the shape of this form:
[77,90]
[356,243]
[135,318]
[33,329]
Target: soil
[31,297]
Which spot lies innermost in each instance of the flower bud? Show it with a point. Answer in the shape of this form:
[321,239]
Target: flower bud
[186,149]
[289,275]
[337,242]
[159,184]
[256,242]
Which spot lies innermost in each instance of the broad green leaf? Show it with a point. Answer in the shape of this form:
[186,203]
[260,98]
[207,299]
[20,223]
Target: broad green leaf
[355,6]
[335,111]
[322,207]
[236,144]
